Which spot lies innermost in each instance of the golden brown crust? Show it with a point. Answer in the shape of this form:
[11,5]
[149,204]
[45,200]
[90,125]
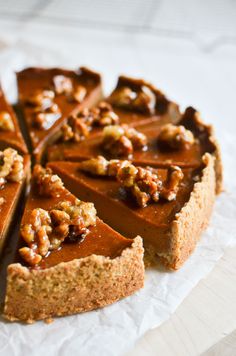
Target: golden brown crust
[193,218]
[73,287]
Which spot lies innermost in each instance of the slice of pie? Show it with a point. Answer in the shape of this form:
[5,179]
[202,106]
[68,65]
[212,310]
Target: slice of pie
[68,260]
[10,134]
[14,171]
[158,204]
[48,96]
[133,102]
[182,144]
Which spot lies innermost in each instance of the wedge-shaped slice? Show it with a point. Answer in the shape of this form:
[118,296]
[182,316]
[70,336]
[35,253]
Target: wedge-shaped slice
[68,261]
[49,96]
[14,171]
[136,101]
[10,134]
[170,228]
[183,144]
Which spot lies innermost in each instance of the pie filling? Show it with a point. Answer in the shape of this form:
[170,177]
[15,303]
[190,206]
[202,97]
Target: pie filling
[152,222]
[50,236]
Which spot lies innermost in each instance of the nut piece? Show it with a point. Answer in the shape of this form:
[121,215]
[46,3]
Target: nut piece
[49,184]
[11,166]
[78,94]
[175,137]
[141,183]
[122,140]
[62,84]
[103,115]
[171,185]
[6,123]
[101,167]
[48,229]
[45,119]
[142,99]
[75,130]
[42,99]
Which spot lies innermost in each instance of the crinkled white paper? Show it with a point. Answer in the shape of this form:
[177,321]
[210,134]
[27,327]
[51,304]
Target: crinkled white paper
[114,329]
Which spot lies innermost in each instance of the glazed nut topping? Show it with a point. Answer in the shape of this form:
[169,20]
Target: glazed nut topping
[79,93]
[41,99]
[175,137]
[48,229]
[143,100]
[78,127]
[6,123]
[74,130]
[122,141]
[62,84]
[144,185]
[11,166]
[101,167]
[48,184]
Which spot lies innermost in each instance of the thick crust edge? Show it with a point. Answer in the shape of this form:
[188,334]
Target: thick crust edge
[73,287]
[193,218]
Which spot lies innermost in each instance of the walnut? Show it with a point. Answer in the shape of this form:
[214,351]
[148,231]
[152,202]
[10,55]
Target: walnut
[78,94]
[48,229]
[45,119]
[74,130]
[42,99]
[171,185]
[103,115]
[30,256]
[122,140]
[6,123]
[62,84]
[49,184]
[143,99]
[11,166]
[101,167]
[142,183]
[175,137]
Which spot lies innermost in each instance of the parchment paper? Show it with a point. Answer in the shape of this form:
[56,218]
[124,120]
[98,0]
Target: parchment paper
[114,329]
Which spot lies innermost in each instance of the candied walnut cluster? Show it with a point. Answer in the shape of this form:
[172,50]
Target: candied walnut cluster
[122,140]
[6,122]
[45,110]
[175,137]
[11,166]
[143,184]
[78,127]
[64,85]
[142,100]
[47,230]
[48,184]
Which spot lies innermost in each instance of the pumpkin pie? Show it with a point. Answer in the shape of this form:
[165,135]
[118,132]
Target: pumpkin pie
[68,260]
[10,134]
[158,204]
[48,96]
[14,171]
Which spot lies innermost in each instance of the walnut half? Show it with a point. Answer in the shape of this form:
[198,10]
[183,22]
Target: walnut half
[6,123]
[48,184]
[121,140]
[175,137]
[11,166]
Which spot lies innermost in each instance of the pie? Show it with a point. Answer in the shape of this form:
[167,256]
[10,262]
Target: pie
[111,176]
[68,260]
[48,96]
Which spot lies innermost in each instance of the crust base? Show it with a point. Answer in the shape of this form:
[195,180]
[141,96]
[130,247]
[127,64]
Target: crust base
[73,287]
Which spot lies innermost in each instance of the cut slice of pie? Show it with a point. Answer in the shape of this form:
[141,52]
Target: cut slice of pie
[68,260]
[10,134]
[159,205]
[48,96]
[153,144]
[14,172]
